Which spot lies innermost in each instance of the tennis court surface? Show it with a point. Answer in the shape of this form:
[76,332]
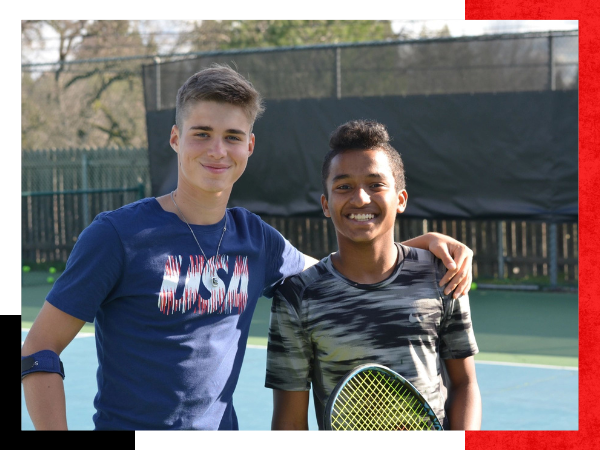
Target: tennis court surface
[527,368]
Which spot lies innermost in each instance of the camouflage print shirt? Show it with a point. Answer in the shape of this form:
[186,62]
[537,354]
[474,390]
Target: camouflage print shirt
[323,325]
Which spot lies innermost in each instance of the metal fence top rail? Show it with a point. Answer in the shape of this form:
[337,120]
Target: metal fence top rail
[139,188]
[157,57]
[86,148]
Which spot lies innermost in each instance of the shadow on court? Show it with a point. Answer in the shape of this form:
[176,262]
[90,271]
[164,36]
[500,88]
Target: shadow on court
[513,329]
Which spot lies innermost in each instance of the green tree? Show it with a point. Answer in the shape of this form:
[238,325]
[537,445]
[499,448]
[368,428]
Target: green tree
[241,34]
[87,104]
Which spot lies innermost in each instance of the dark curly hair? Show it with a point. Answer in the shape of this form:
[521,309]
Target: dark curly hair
[363,135]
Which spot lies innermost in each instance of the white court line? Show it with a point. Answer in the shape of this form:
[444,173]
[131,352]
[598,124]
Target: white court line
[535,366]
[262,347]
[497,363]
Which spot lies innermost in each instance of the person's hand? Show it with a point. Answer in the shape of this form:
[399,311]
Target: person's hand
[458,259]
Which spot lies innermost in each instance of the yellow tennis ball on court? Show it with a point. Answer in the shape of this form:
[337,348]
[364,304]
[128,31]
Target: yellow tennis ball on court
[473,286]
[26,268]
[50,279]
[52,270]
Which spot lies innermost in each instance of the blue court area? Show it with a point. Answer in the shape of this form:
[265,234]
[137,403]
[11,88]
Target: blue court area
[515,397]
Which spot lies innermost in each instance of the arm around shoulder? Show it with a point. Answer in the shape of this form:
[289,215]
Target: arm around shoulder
[456,256]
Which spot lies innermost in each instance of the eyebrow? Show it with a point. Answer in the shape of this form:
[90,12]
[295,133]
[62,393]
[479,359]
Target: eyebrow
[207,128]
[344,176]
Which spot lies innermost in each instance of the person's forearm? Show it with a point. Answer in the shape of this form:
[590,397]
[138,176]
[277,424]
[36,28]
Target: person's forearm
[421,242]
[465,407]
[45,399]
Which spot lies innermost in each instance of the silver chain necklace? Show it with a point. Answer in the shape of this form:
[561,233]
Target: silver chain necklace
[214,279]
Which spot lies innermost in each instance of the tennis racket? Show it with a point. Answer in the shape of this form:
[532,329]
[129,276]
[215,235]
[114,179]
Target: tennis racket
[374,397]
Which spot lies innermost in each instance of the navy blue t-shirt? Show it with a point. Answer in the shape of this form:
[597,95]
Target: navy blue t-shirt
[170,345]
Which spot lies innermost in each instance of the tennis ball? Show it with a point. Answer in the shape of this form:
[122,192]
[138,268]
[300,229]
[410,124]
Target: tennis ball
[50,279]
[26,268]
[52,270]
[473,286]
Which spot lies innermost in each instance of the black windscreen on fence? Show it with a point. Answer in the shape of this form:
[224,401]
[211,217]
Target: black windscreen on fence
[510,155]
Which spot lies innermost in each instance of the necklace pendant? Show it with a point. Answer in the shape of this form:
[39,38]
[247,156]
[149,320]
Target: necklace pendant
[215,281]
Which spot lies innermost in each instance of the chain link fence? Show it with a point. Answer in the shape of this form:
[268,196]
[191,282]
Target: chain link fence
[102,102]
[505,63]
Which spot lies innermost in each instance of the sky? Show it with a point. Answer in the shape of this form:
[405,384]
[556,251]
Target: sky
[480,27]
[456,27]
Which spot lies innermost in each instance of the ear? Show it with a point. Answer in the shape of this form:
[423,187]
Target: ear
[251,144]
[325,206]
[402,199]
[174,139]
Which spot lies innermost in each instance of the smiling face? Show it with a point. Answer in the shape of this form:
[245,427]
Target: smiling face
[362,197]
[213,146]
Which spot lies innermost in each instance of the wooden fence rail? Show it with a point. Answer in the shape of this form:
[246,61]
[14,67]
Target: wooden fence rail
[525,246]
[51,223]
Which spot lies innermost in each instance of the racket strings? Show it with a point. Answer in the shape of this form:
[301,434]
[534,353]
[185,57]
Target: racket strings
[375,401]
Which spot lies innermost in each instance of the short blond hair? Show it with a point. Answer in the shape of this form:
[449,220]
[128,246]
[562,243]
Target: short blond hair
[219,83]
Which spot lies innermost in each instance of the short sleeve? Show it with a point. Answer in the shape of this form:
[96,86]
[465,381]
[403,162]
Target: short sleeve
[92,271]
[457,336]
[289,353]
[283,259]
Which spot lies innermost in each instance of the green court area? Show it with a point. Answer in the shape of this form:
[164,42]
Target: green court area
[510,326]
[516,326]
[526,327]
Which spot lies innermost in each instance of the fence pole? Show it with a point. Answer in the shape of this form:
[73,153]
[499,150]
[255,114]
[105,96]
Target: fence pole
[500,239]
[338,72]
[158,82]
[553,256]
[84,186]
[552,250]
[551,66]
